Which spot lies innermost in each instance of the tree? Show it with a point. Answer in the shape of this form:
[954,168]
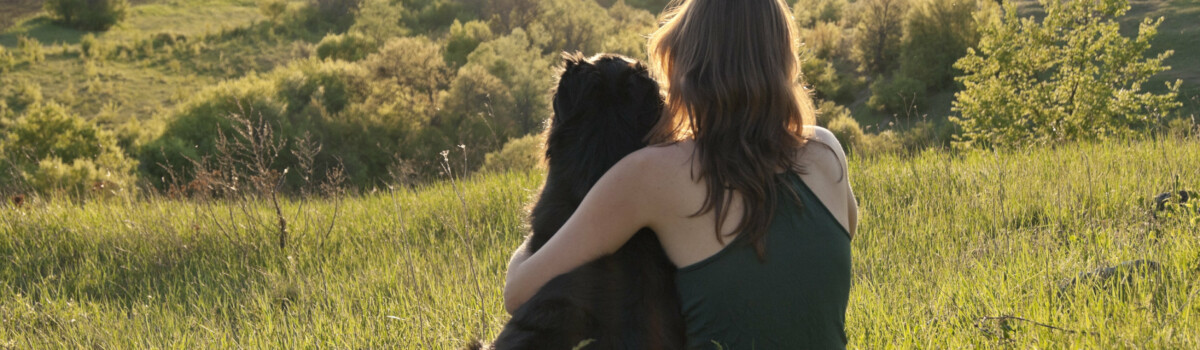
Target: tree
[878,34]
[1070,77]
[937,33]
[87,14]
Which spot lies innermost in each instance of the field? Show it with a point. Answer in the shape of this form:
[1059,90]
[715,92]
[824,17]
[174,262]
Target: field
[953,251]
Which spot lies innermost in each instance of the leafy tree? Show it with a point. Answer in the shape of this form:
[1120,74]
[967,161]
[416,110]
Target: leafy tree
[1071,76]
[87,14]
[571,25]
[810,12]
[900,94]
[517,62]
[518,154]
[463,39]
[937,33]
[381,20]
[352,46]
[876,44]
[54,149]
[631,26]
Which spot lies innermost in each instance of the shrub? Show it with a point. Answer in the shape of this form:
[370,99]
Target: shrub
[1070,77]
[810,12]
[524,70]
[272,8]
[348,47]
[824,40]
[54,150]
[631,26]
[822,77]
[87,14]
[572,25]
[899,95]
[31,48]
[7,60]
[380,19]
[21,95]
[463,39]
[518,154]
[883,143]
[479,111]
[847,131]
[828,111]
[90,47]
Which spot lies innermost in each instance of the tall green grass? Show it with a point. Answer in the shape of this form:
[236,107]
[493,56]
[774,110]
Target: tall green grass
[946,240]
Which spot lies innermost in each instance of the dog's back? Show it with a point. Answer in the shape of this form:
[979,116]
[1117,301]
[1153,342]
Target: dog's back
[604,107]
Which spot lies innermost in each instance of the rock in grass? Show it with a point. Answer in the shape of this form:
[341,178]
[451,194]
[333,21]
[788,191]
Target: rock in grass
[1126,272]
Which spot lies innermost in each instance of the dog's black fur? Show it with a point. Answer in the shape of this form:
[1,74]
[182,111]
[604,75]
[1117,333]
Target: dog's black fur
[603,108]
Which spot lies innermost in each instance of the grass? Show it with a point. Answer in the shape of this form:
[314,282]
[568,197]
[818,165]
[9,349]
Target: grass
[945,241]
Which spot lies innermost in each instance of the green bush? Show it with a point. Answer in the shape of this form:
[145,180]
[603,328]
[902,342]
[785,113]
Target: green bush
[527,73]
[810,12]
[937,33]
[7,60]
[631,25]
[518,154]
[463,39]
[572,25]
[1183,127]
[87,14]
[55,150]
[828,111]
[272,8]
[90,47]
[21,95]
[1071,76]
[31,48]
[900,95]
[479,111]
[847,131]
[823,78]
[347,47]
[883,143]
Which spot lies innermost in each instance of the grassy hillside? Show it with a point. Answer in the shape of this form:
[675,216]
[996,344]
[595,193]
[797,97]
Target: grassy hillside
[945,242]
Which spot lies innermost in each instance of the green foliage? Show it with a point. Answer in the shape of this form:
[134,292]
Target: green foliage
[31,48]
[824,40]
[55,150]
[7,60]
[847,131]
[823,78]
[21,95]
[338,13]
[876,43]
[351,46]
[809,13]
[90,47]
[463,40]
[520,65]
[1070,77]
[571,25]
[381,19]
[272,9]
[631,25]
[87,14]
[899,95]
[828,111]
[937,33]
[519,154]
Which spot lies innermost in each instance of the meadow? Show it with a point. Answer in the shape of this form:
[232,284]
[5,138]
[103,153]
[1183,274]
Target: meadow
[955,250]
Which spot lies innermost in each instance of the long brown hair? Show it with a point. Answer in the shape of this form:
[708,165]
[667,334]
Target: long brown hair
[731,77]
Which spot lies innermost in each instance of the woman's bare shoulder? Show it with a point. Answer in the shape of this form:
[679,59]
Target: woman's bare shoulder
[823,153]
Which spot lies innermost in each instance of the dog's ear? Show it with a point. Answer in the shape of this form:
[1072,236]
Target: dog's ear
[572,60]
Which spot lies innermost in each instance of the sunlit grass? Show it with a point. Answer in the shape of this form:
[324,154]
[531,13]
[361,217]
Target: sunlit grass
[945,241]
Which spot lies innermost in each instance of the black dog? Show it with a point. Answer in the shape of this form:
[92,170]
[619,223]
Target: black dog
[603,108]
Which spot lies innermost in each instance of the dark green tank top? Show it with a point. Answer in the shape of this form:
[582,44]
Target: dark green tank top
[793,299]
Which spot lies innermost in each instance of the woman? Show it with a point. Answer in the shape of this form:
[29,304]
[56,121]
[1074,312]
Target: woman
[750,201]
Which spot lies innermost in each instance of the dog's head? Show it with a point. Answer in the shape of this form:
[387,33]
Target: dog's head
[604,107]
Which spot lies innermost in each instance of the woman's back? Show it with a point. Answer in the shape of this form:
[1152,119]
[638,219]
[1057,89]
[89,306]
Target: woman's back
[796,295]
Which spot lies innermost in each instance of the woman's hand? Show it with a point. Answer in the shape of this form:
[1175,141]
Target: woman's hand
[621,203]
